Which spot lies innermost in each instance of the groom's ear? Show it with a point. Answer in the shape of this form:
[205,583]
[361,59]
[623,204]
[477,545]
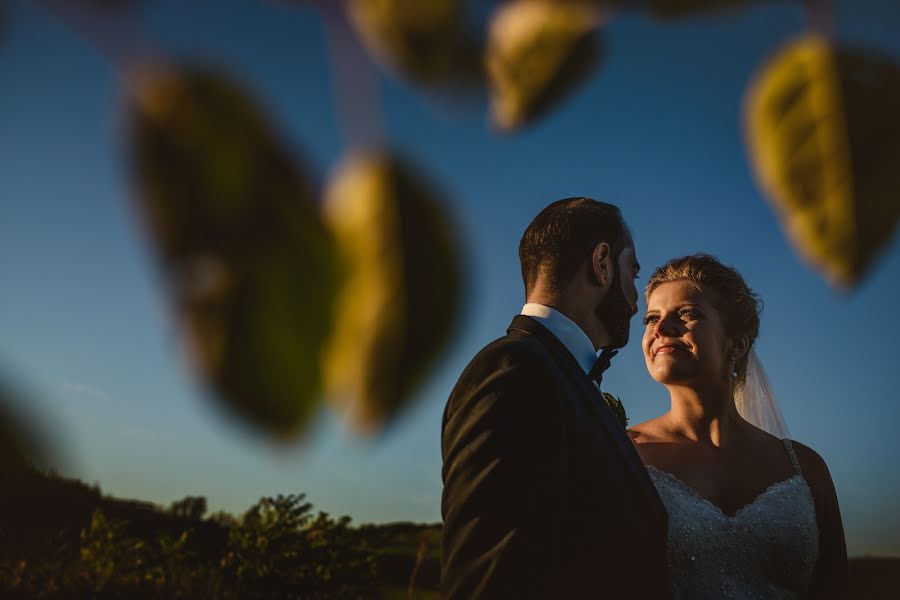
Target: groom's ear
[601,264]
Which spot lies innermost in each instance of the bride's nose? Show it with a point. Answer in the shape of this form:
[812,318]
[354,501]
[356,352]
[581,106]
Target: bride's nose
[664,327]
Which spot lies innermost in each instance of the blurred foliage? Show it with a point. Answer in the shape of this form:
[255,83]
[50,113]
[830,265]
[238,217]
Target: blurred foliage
[112,5]
[21,444]
[280,546]
[255,274]
[823,126]
[537,51]
[282,294]
[402,293]
[425,41]
[675,9]
[4,18]
[250,267]
[189,507]
[62,539]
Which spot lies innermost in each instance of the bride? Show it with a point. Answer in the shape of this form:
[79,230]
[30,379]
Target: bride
[751,514]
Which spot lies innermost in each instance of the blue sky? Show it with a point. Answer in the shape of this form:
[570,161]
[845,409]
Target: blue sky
[86,335]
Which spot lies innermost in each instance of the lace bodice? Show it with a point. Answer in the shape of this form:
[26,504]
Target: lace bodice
[766,550]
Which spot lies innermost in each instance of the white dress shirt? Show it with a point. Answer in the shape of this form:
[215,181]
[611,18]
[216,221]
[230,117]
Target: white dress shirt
[566,331]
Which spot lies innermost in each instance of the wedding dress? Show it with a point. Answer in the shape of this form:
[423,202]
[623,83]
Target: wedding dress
[767,549]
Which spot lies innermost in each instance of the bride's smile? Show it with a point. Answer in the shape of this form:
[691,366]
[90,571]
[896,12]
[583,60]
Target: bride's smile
[741,496]
[684,337]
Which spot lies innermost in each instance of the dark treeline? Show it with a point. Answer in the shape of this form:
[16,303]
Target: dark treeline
[60,538]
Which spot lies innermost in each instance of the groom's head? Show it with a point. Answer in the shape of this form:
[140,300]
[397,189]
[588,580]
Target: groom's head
[578,256]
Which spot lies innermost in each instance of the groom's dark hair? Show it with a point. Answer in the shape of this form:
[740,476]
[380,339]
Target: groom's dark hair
[563,235]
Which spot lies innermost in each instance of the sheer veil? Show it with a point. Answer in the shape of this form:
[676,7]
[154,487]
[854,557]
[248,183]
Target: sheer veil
[756,402]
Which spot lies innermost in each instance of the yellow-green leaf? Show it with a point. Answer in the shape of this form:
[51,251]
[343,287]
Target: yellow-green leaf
[537,51]
[823,129]
[426,41]
[402,294]
[250,267]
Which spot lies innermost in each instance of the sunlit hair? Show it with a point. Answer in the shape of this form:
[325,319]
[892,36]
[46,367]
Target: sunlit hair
[737,304]
[563,235]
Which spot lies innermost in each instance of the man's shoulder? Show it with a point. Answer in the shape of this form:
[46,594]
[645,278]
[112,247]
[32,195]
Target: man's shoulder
[513,367]
[517,359]
[515,347]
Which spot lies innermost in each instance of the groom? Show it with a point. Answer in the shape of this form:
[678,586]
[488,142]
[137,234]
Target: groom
[544,495]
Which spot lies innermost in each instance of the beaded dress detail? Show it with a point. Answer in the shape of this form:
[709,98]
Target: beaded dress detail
[767,549]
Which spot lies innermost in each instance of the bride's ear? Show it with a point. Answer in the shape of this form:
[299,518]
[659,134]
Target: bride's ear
[740,346]
[601,264]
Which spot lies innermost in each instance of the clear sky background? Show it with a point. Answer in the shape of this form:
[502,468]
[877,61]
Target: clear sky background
[86,335]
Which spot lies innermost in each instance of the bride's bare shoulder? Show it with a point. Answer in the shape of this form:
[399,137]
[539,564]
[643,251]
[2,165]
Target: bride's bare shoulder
[648,432]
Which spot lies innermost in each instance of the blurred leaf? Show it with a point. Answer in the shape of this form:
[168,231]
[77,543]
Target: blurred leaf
[402,296]
[676,9]
[6,19]
[426,41]
[870,92]
[250,268]
[111,5]
[823,128]
[538,50]
[21,447]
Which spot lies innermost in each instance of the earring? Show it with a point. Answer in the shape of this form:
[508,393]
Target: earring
[733,368]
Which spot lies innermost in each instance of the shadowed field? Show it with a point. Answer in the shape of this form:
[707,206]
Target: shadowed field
[61,538]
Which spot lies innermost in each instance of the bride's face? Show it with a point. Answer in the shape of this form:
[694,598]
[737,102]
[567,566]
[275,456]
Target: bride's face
[684,338]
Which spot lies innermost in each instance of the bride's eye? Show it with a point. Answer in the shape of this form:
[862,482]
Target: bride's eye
[688,314]
[650,319]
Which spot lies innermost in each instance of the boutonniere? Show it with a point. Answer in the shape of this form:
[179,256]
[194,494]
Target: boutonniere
[617,407]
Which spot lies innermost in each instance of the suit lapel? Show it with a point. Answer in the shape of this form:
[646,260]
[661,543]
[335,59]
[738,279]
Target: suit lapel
[594,398]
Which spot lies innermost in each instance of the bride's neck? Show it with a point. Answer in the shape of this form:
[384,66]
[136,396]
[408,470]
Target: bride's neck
[703,414]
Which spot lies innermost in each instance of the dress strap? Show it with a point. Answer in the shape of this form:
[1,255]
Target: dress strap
[793,455]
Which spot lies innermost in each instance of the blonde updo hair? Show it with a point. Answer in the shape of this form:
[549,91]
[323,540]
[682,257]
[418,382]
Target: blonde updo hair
[738,305]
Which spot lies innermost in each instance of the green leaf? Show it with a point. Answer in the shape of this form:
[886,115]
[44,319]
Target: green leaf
[250,269]
[617,407]
[823,132]
[538,50]
[425,41]
[402,295]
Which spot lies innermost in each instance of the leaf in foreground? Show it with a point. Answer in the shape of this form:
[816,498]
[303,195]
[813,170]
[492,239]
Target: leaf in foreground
[402,292]
[676,9]
[20,446]
[4,19]
[538,50]
[823,128]
[111,5]
[249,266]
[426,41]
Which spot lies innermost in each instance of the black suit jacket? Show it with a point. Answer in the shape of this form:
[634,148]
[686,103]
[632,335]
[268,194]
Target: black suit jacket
[544,494]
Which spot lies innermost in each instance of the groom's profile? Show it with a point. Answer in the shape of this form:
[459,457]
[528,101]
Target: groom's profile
[544,495]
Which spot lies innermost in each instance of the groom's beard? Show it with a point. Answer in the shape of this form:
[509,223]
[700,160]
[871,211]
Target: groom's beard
[615,312]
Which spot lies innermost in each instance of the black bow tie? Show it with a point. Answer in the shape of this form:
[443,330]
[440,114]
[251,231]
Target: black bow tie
[602,364]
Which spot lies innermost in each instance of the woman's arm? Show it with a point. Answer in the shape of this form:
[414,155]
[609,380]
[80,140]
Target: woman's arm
[830,579]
